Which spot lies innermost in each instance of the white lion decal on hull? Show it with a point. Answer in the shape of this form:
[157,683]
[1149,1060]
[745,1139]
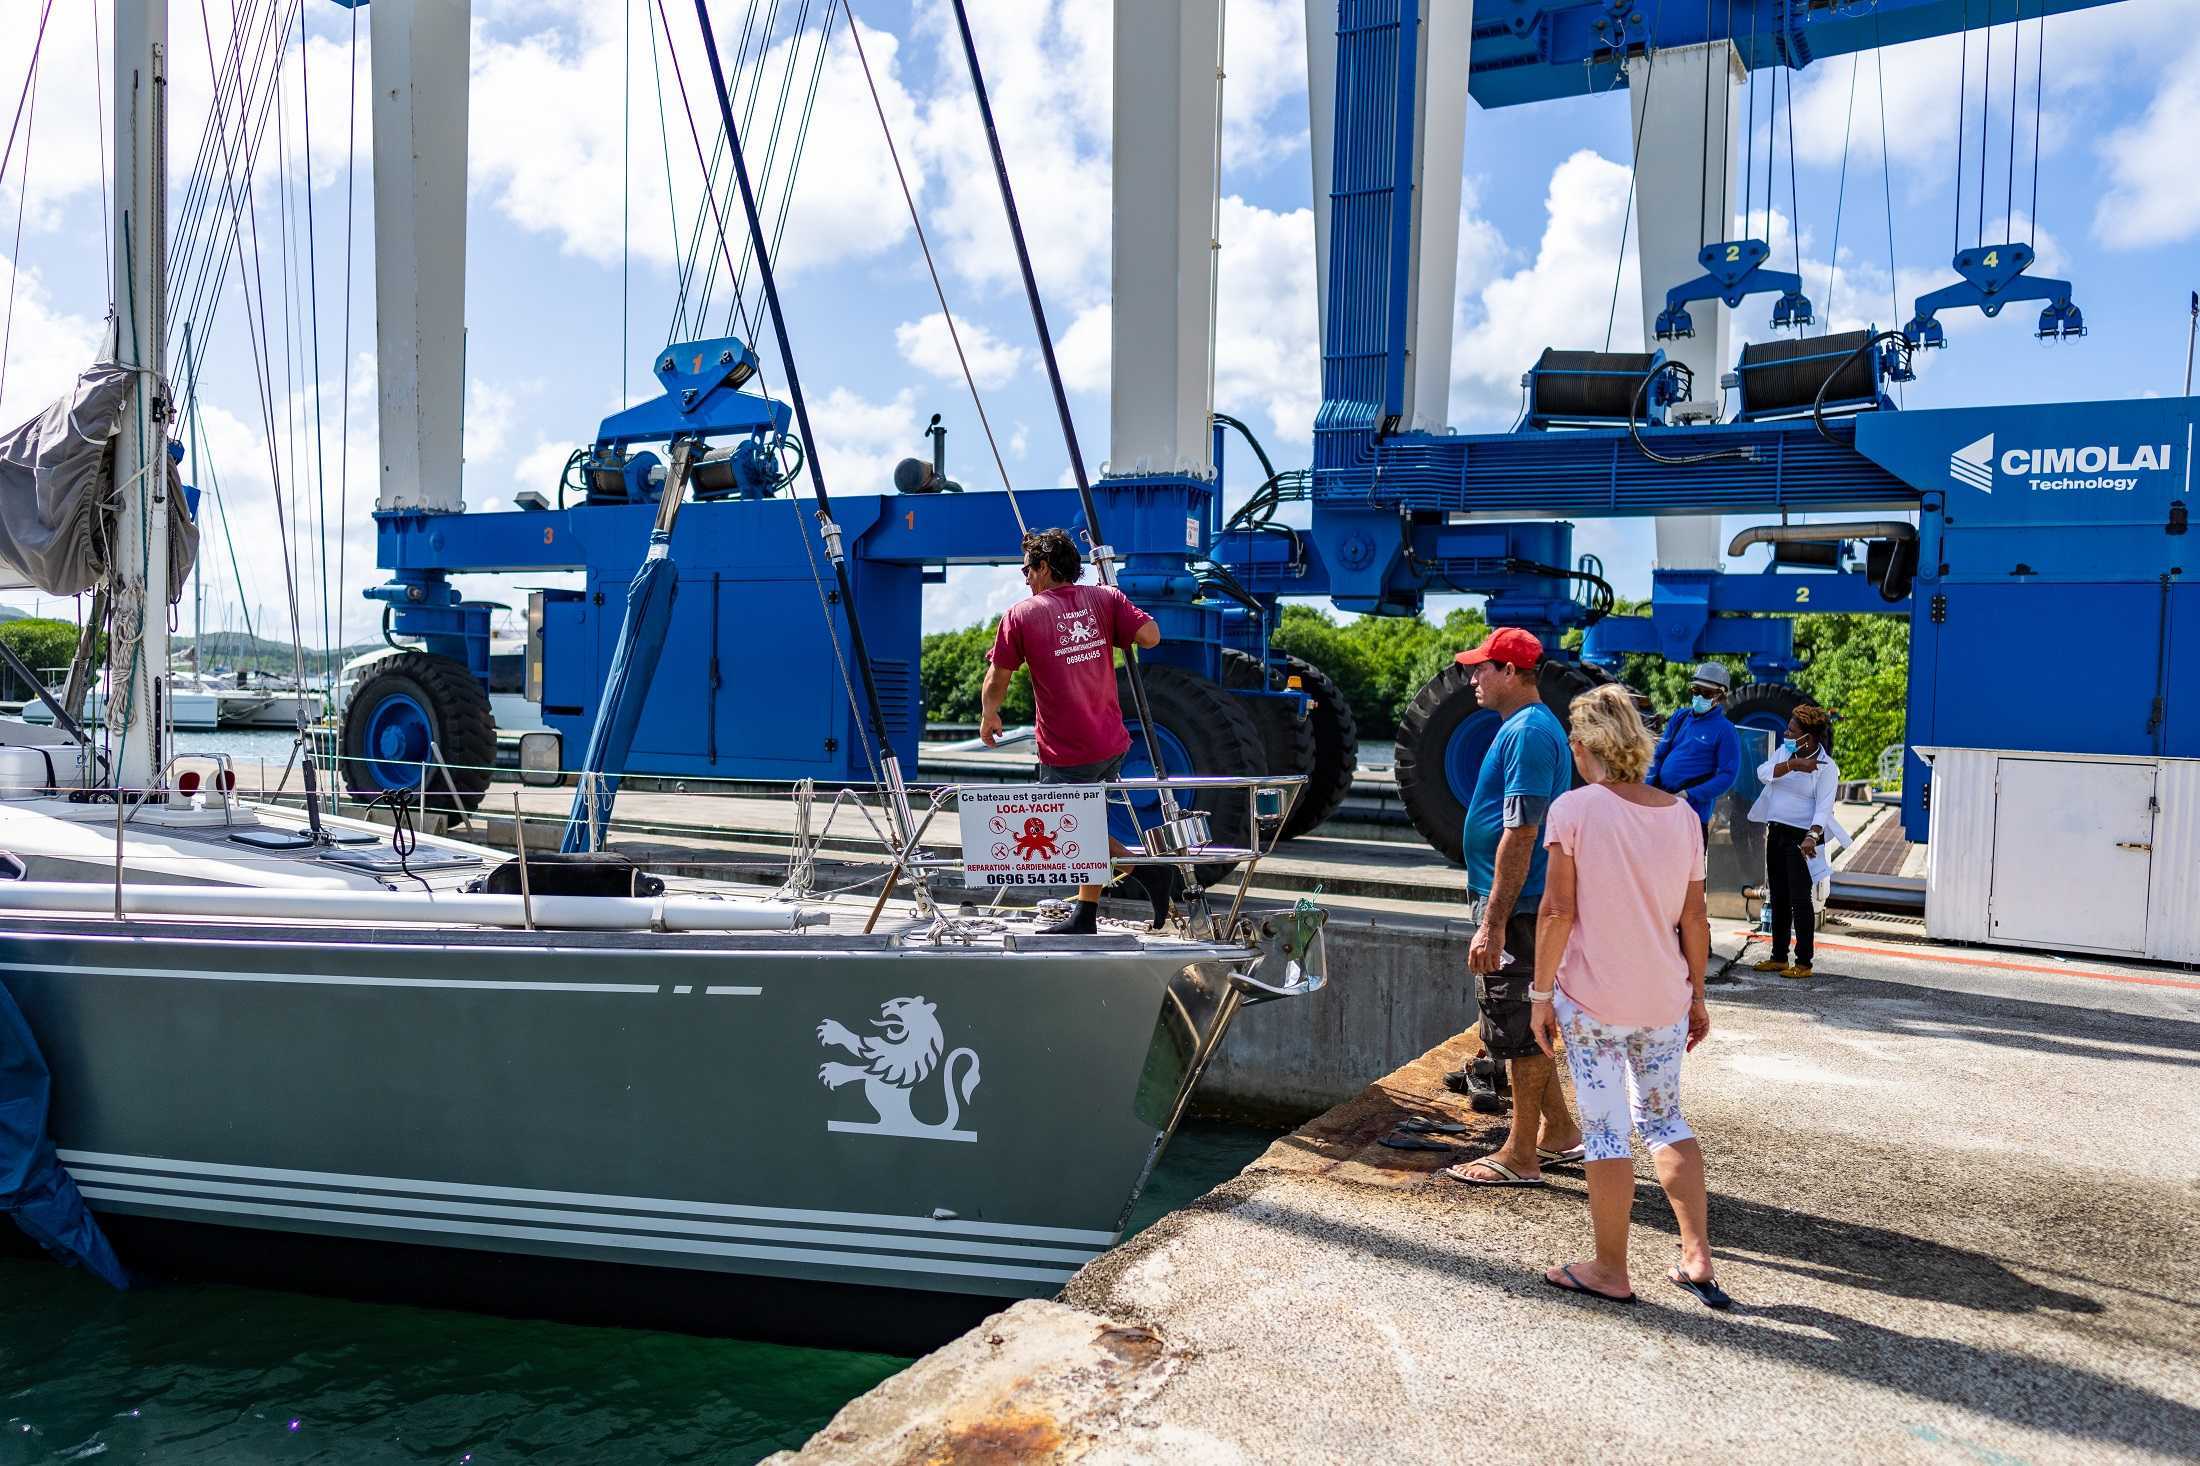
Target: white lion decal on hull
[894,1063]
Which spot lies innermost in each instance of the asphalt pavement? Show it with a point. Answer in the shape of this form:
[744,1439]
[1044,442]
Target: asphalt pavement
[1955,1193]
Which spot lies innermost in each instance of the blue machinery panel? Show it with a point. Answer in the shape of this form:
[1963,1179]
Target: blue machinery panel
[1541,50]
[2048,537]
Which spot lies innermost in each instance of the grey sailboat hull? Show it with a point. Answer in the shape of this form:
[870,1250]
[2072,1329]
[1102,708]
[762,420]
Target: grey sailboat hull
[656,1104]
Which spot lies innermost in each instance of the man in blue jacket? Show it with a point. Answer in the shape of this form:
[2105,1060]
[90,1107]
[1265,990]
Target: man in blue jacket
[1700,755]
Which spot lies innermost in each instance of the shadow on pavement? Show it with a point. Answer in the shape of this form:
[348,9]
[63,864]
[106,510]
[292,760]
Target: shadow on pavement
[1877,1259]
[2021,1389]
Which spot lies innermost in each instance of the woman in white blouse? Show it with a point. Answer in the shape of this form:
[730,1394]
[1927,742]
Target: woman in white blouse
[1796,809]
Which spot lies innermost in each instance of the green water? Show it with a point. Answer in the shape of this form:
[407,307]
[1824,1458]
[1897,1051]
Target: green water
[192,1373]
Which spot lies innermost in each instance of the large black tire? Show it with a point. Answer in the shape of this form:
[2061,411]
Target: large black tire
[405,702]
[1441,741]
[1766,705]
[1286,738]
[1214,733]
[1443,713]
[1336,748]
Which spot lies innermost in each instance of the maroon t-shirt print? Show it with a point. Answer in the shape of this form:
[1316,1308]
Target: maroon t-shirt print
[1067,634]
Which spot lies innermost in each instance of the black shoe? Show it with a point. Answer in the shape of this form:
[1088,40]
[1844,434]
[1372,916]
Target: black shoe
[1162,885]
[1485,1076]
[1083,921]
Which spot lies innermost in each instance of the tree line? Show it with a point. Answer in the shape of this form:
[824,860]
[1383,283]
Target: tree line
[1855,665]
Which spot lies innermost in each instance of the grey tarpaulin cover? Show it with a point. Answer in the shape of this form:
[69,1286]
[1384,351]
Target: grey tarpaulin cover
[57,507]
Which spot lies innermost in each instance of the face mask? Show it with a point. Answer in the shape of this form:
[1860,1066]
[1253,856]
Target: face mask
[1787,748]
[1699,705]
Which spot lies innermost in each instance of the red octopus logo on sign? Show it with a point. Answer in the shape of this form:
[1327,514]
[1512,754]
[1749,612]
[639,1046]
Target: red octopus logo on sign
[1034,836]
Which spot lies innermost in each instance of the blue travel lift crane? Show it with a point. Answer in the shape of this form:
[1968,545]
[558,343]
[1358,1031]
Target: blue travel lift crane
[2029,520]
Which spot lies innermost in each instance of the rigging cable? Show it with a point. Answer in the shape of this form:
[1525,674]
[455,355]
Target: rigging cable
[1703,174]
[802,132]
[1886,188]
[626,182]
[343,434]
[664,132]
[1963,85]
[832,634]
[99,118]
[7,154]
[2039,94]
[1985,115]
[2016,52]
[1841,194]
[1627,210]
[1726,135]
[313,306]
[1749,130]
[244,205]
[898,799]
[748,117]
[1795,198]
[15,252]
[1104,562]
[740,280]
[938,290]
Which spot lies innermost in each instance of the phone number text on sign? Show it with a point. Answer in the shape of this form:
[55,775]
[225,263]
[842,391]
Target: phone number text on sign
[1044,836]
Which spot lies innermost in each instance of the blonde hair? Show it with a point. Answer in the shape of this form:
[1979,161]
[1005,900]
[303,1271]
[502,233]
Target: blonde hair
[1606,724]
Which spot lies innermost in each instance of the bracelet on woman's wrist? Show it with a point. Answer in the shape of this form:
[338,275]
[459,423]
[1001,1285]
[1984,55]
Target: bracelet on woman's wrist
[1544,996]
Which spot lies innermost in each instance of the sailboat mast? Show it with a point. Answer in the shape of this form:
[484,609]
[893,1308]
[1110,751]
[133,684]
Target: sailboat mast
[138,642]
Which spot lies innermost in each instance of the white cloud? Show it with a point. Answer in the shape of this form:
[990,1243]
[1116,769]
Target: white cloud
[2150,198]
[1267,338]
[559,169]
[1048,68]
[1563,298]
[1085,349]
[926,345]
[970,594]
[863,440]
[46,346]
[1264,92]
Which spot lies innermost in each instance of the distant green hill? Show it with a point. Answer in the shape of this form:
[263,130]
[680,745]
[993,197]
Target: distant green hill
[235,650]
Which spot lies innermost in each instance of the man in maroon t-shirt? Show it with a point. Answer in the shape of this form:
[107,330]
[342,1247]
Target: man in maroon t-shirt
[1067,633]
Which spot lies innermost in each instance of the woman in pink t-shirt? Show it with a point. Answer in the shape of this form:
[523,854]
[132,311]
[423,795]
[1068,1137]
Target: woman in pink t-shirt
[1621,942]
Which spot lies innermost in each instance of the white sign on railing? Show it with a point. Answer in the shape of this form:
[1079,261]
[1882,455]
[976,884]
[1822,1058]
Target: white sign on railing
[1055,835]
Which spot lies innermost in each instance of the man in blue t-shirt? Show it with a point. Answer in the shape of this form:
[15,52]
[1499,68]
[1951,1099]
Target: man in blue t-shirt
[1527,766]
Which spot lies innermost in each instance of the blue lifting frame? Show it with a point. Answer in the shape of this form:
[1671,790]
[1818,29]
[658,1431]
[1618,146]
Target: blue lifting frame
[1993,276]
[1734,270]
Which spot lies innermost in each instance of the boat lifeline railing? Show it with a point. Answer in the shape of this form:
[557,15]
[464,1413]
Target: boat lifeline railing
[1184,841]
[1183,837]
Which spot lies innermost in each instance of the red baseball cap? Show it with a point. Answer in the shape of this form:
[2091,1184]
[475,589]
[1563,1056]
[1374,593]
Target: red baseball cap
[1504,644]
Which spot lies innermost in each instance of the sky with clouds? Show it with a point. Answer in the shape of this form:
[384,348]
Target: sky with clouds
[585,188]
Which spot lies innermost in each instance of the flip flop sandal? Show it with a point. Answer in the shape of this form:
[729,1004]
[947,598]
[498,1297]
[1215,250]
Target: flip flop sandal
[1574,1157]
[1417,1142]
[1707,1292]
[1510,1177]
[1575,1285]
[1424,1125]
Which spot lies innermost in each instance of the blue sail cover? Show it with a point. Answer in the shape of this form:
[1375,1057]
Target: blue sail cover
[633,668]
[33,1187]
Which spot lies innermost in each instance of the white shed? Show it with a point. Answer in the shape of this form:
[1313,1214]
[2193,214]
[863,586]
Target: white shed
[2076,852]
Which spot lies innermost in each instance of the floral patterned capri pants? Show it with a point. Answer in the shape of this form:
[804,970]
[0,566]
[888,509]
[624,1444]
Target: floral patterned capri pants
[1624,1078]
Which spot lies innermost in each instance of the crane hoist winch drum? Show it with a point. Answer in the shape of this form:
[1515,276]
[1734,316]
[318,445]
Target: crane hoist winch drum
[1785,375]
[1597,387]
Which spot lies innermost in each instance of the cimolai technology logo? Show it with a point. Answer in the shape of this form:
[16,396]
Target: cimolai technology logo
[2114,466]
[896,1063]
